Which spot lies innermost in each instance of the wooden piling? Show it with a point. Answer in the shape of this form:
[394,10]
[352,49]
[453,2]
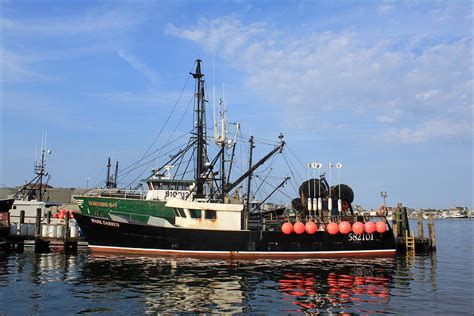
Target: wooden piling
[431,232]
[66,227]
[38,223]
[22,217]
[48,217]
[22,221]
[394,222]
[404,221]
[420,224]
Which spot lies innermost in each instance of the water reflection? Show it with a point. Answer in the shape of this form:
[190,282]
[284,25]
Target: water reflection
[132,284]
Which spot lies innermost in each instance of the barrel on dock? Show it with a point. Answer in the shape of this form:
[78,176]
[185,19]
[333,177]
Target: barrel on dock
[23,230]
[74,231]
[13,229]
[30,230]
[60,231]
[52,231]
[44,230]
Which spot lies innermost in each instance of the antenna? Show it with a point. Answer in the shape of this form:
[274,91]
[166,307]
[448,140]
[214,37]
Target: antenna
[309,201]
[339,201]
[214,102]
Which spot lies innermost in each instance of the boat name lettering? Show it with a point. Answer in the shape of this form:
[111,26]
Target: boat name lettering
[183,194]
[102,222]
[103,204]
[362,237]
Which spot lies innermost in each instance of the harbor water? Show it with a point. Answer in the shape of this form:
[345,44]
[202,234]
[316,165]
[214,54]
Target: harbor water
[57,283]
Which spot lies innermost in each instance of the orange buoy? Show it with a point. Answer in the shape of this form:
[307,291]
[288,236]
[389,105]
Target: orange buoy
[381,227]
[311,227]
[345,227]
[287,228]
[332,228]
[299,228]
[358,228]
[370,227]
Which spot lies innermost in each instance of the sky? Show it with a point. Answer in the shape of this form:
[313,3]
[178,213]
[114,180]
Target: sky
[384,87]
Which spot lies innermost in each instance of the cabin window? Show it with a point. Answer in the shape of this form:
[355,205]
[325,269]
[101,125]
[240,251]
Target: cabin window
[157,186]
[181,212]
[210,214]
[195,213]
[14,207]
[176,212]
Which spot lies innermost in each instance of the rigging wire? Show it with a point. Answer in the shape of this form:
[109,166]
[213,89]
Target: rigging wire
[150,161]
[124,174]
[293,178]
[135,165]
[167,120]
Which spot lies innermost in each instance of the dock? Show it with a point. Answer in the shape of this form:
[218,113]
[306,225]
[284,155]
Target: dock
[405,237]
[42,234]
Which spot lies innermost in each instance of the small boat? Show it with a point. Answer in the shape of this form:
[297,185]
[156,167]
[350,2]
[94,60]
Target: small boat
[34,194]
[214,224]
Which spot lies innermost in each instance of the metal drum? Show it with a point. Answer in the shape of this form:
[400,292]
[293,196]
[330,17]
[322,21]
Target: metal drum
[24,230]
[60,231]
[30,230]
[44,230]
[74,231]
[52,231]
[13,228]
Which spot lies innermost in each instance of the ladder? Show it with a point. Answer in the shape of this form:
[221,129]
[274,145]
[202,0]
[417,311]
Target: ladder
[409,241]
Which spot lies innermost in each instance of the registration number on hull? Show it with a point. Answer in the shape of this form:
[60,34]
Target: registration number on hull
[361,237]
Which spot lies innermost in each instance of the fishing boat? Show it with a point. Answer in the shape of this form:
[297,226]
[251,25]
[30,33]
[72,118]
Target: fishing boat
[211,221]
[34,194]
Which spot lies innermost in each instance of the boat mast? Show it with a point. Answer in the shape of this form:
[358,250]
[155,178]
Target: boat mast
[108,183]
[41,172]
[116,174]
[249,180]
[40,169]
[200,130]
[221,140]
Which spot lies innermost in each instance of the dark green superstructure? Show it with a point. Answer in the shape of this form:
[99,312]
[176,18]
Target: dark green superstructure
[132,209]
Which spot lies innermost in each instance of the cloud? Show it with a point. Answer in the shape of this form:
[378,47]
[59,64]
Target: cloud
[434,128]
[139,66]
[346,72]
[70,36]
[16,68]
[385,8]
[91,22]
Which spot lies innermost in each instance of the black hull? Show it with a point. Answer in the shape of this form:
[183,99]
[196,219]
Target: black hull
[4,230]
[110,236]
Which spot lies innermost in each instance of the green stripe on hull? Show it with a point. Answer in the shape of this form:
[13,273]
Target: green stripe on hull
[136,210]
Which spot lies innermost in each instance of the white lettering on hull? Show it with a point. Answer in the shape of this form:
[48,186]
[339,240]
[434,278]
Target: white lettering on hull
[103,222]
